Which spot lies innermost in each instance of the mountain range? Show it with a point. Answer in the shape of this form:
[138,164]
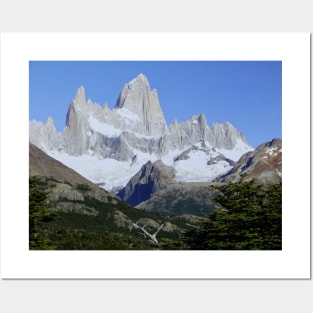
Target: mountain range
[131,151]
[109,147]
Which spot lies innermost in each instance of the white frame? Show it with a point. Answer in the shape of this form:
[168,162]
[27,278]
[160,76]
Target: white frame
[293,262]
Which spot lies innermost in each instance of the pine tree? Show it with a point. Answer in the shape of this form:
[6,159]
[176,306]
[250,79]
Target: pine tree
[39,215]
[249,217]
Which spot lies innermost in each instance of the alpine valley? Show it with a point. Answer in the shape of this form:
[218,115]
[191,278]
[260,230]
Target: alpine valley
[130,154]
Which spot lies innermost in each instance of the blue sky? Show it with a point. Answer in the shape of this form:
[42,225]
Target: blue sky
[248,94]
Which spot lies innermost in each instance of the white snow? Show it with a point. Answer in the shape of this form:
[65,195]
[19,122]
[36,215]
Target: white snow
[140,136]
[198,144]
[110,173]
[103,128]
[169,158]
[128,115]
[273,151]
[108,130]
[113,174]
[235,154]
[142,158]
[195,169]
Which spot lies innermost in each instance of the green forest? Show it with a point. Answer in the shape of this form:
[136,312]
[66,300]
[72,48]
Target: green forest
[247,216]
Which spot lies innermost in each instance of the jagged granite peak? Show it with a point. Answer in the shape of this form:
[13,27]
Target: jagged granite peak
[138,85]
[203,126]
[75,132]
[50,130]
[44,135]
[137,97]
[49,123]
[187,133]
[74,139]
[71,115]
[226,135]
[80,97]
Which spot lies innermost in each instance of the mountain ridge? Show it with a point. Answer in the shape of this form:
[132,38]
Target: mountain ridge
[121,140]
[264,164]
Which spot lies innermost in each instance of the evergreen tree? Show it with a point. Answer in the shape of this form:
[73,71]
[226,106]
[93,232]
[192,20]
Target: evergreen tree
[39,215]
[249,217]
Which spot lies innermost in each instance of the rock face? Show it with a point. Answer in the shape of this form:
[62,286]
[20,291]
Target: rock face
[148,115]
[150,179]
[264,164]
[192,131]
[76,124]
[226,135]
[110,146]
[44,135]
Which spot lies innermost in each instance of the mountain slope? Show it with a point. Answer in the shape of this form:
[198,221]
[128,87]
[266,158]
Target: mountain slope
[181,199]
[90,217]
[174,197]
[41,164]
[264,164]
[65,184]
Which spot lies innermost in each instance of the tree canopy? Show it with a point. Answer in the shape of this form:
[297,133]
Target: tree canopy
[248,217]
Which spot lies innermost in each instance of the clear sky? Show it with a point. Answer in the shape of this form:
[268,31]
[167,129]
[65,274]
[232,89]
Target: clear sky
[248,94]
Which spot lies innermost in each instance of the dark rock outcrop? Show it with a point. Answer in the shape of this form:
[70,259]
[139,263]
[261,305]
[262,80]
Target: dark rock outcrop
[151,178]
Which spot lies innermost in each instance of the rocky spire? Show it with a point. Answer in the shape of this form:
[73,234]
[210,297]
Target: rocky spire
[80,97]
[74,135]
[226,135]
[137,97]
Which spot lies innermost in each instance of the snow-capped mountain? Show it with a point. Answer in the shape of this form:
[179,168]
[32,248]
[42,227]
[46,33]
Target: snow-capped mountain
[109,147]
